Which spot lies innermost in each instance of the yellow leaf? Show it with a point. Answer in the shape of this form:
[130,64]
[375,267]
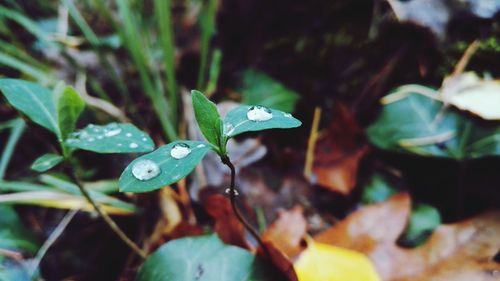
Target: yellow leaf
[322,262]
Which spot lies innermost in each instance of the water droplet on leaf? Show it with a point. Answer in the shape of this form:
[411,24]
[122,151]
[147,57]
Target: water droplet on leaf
[133,145]
[113,133]
[259,113]
[200,145]
[287,115]
[145,170]
[180,150]
[128,135]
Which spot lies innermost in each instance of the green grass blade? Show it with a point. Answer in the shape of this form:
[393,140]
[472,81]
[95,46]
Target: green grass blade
[164,20]
[17,130]
[207,26]
[27,69]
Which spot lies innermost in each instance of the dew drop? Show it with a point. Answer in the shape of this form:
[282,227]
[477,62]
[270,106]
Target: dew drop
[200,145]
[99,137]
[287,115]
[227,129]
[119,144]
[259,113]
[112,132]
[144,139]
[180,150]
[91,139]
[133,145]
[228,192]
[128,135]
[145,170]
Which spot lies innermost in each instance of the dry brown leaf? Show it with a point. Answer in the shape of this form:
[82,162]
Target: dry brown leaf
[338,152]
[287,231]
[282,264]
[226,224]
[460,251]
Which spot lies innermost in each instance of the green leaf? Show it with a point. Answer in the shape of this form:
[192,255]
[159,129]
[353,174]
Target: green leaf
[46,162]
[13,234]
[237,122]
[33,100]
[423,220]
[213,261]
[258,88]
[417,123]
[69,107]
[159,168]
[208,118]
[378,189]
[111,138]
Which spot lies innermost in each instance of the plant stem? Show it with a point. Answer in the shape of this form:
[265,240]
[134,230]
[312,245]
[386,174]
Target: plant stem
[232,196]
[107,219]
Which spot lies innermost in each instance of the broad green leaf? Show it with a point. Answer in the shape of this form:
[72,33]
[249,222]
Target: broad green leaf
[419,123]
[202,258]
[423,220]
[46,162]
[238,122]
[208,118]
[160,168]
[111,138]
[258,88]
[377,190]
[69,107]
[33,100]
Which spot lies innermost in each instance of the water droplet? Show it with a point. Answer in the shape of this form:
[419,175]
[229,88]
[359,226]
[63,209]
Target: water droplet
[128,135]
[144,139]
[227,129]
[145,170]
[259,113]
[91,139]
[133,145]
[228,192]
[200,145]
[99,137]
[119,144]
[46,163]
[180,150]
[287,115]
[96,130]
[112,132]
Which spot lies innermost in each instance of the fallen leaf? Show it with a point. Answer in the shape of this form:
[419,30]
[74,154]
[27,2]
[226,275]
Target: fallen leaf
[287,232]
[226,224]
[325,262]
[468,92]
[338,152]
[460,251]
[283,265]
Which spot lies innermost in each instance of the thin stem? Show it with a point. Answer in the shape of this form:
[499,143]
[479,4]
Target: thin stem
[232,196]
[107,219]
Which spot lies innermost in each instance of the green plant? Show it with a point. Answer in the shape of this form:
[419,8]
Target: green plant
[58,111]
[170,163]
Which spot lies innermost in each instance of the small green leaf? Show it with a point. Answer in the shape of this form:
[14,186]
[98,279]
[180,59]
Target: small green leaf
[243,119]
[377,190]
[111,138]
[213,261]
[258,88]
[208,118]
[69,107]
[33,100]
[423,220]
[162,167]
[46,162]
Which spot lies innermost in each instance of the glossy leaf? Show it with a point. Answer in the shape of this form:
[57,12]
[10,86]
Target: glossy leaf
[237,122]
[208,118]
[158,168]
[423,220]
[69,107]
[33,100]
[111,138]
[212,261]
[46,162]
[412,122]
[258,88]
